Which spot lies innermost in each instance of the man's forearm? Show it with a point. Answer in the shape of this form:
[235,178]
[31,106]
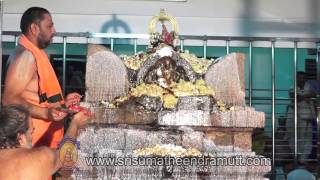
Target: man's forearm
[72,131]
[39,112]
[35,111]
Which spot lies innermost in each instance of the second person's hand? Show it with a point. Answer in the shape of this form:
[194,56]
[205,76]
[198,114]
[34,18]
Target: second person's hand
[55,114]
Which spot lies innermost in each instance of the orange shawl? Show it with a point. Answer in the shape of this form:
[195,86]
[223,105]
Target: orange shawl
[49,87]
[48,133]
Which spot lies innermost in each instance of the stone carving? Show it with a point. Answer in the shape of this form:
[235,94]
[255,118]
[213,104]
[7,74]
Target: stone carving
[106,75]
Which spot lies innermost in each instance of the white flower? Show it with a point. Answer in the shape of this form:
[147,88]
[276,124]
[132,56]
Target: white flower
[165,51]
[163,83]
[159,72]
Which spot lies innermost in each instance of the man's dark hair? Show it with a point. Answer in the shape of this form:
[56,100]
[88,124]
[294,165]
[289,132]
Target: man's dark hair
[13,121]
[32,15]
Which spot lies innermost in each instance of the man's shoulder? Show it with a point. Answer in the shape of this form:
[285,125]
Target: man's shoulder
[21,154]
[22,53]
[46,157]
[22,58]
[40,154]
[34,152]
[27,163]
[43,152]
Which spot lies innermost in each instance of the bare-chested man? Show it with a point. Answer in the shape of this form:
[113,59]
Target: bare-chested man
[31,80]
[18,160]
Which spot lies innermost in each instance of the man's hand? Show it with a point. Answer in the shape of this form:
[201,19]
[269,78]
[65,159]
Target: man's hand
[80,119]
[73,98]
[56,115]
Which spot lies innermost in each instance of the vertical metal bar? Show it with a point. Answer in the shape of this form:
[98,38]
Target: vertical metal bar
[228,46]
[181,44]
[1,15]
[111,42]
[273,104]
[135,46]
[318,108]
[318,105]
[16,40]
[250,73]
[318,62]
[64,60]
[295,104]
[205,48]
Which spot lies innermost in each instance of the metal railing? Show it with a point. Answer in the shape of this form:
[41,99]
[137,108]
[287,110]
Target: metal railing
[205,39]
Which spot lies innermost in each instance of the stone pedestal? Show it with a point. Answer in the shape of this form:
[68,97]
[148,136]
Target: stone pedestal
[216,143]
[223,137]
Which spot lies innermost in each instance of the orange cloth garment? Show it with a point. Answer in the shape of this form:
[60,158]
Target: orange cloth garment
[48,133]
